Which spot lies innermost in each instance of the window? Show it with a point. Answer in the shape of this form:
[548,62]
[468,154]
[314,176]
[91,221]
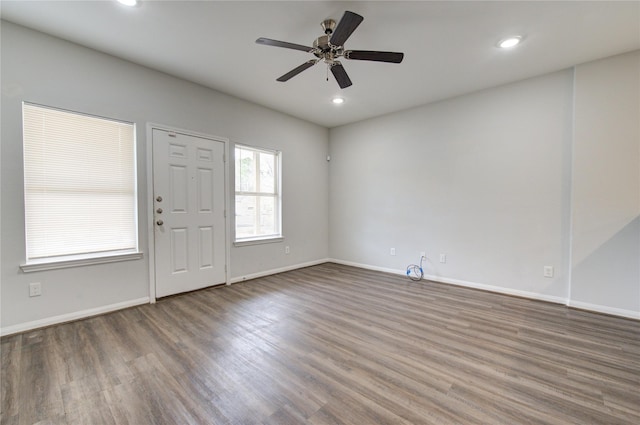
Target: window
[80,185]
[257,173]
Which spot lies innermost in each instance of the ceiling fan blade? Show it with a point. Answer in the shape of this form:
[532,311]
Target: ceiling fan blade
[345,28]
[341,75]
[297,70]
[372,55]
[276,43]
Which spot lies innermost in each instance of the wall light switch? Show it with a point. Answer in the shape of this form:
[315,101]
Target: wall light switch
[548,271]
[392,251]
[443,258]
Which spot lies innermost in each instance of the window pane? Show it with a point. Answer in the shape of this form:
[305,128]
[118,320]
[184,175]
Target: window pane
[245,171]
[267,173]
[237,169]
[246,212]
[267,225]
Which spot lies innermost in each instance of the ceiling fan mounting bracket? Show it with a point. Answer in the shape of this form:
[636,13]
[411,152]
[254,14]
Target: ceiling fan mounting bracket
[328,25]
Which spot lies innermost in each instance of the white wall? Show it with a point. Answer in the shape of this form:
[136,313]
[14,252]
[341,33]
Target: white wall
[499,182]
[45,70]
[482,178]
[606,186]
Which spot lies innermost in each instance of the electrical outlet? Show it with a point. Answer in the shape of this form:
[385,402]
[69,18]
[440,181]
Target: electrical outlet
[548,271]
[287,250]
[443,258]
[35,290]
[392,251]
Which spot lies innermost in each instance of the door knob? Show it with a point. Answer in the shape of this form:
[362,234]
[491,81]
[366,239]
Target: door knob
[159,222]
[159,210]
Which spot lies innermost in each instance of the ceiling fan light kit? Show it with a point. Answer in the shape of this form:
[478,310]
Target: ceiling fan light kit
[330,46]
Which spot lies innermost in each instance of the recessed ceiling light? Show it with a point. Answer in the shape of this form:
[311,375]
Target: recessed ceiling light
[509,42]
[128,2]
[337,100]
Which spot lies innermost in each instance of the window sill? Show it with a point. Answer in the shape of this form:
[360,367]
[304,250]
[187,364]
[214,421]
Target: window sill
[78,261]
[258,241]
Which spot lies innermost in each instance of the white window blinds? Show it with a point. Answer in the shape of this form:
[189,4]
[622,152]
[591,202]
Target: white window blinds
[80,184]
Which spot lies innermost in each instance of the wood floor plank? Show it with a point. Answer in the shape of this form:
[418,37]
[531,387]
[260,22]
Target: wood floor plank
[328,344]
[39,394]
[10,350]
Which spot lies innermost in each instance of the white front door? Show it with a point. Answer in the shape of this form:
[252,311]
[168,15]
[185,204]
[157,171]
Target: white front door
[189,210]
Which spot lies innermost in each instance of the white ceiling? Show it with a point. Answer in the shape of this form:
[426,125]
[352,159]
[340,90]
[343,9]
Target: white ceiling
[450,46]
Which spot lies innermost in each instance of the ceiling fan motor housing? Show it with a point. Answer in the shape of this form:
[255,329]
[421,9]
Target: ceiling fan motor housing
[324,50]
[322,44]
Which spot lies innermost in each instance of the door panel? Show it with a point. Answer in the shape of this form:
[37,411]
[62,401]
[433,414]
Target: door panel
[189,205]
[205,191]
[206,247]
[178,188]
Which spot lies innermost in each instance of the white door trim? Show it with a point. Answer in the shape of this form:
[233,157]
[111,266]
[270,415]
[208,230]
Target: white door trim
[150,213]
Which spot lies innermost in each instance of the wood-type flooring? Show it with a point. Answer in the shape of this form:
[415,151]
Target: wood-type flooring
[328,344]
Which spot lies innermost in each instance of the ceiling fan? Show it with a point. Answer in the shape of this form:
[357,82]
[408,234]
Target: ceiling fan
[330,47]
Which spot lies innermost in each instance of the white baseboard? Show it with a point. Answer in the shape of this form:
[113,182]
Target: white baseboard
[467,284]
[629,314]
[368,267]
[68,317]
[276,271]
[499,289]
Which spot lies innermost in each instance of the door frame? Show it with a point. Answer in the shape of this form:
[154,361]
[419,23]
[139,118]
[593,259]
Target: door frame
[150,213]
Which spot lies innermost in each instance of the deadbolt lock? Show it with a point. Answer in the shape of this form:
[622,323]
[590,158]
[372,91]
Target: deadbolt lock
[159,199]
[159,210]
[159,222]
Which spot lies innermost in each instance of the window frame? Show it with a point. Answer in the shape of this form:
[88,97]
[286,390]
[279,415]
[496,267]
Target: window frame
[52,261]
[277,196]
